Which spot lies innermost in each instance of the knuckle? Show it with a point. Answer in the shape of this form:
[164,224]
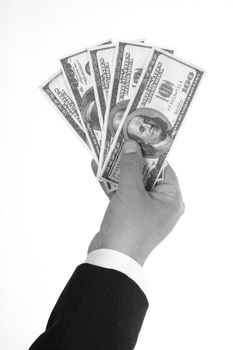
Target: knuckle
[181,206]
[179,202]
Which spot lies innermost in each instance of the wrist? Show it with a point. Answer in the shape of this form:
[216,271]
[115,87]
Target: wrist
[100,241]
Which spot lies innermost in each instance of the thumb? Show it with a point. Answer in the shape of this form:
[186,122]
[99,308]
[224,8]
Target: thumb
[131,164]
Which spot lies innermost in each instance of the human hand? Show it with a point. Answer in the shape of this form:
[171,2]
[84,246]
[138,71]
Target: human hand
[136,221]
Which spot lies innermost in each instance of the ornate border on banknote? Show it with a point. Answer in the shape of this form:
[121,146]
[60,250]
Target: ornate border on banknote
[76,69]
[101,68]
[147,86]
[64,109]
[127,67]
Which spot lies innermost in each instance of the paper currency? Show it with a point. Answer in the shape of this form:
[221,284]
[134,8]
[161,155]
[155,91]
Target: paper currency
[56,90]
[155,113]
[101,64]
[129,61]
[110,93]
[76,69]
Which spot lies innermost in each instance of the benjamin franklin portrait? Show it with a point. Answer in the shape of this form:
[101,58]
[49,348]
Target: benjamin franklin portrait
[149,127]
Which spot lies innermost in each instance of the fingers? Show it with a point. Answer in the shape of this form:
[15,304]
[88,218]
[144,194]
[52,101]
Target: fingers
[170,176]
[94,167]
[131,164]
[169,188]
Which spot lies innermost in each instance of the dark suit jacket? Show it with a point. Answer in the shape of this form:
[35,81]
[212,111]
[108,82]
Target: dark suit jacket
[99,309]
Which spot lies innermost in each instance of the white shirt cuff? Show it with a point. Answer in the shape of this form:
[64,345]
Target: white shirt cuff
[112,259]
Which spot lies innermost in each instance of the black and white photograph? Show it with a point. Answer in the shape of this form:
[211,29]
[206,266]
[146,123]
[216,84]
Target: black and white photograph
[116,175]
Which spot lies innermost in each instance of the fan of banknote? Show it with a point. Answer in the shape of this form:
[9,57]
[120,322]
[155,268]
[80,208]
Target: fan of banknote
[122,90]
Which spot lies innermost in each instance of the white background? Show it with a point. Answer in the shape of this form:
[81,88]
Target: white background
[50,202]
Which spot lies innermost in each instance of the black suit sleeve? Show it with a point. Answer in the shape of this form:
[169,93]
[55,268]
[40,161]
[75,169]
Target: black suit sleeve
[99,309]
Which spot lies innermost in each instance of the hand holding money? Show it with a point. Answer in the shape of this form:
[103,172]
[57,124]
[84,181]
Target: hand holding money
[125,91]
[136,221]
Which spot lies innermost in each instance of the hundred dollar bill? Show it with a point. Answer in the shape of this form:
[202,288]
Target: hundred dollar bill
[76,69]
[101,66]
[155,113]
[56,90]
[129,61]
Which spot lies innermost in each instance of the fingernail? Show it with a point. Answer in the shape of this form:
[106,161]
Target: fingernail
[130,146]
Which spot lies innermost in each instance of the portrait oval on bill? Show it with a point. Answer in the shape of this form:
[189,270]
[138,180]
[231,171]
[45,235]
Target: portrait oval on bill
[89,109]
[116,115]
[151,129]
